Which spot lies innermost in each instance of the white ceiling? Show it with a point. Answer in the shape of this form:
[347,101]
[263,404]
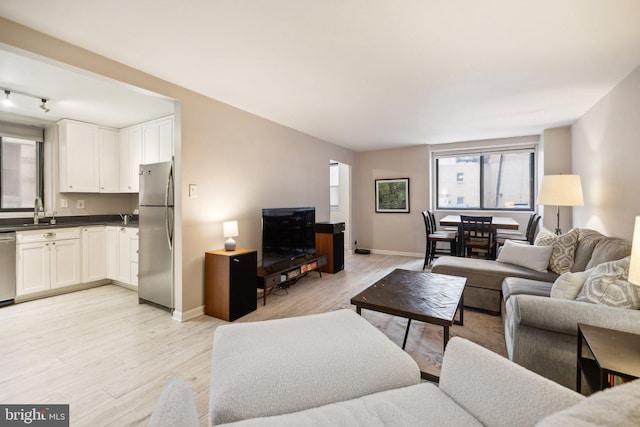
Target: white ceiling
[369,74]
[72,93]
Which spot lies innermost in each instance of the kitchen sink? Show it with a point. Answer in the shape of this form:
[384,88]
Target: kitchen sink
[43,224]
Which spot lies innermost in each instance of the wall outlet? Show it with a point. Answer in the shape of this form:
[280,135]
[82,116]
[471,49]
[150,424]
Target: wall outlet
[80,204]
[64,203]
[193,190]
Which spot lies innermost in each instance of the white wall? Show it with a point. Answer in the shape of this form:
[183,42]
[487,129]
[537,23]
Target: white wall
[605,147]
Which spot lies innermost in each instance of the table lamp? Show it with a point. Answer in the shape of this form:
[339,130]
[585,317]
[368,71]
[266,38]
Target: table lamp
[634,263]
[560,190]
[230,230]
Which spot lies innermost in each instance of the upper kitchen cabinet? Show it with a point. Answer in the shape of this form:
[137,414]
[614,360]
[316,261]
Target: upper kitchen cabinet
[79,157]
[157,140]
[109,161]
[130,158]
[89,158]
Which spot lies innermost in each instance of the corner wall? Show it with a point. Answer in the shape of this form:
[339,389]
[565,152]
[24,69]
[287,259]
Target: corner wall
[605,146]
[397,233]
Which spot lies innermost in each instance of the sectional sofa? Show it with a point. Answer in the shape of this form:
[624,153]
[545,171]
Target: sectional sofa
[540,321]
[324,385]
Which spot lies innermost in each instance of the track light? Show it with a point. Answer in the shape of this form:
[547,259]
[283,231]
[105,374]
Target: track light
[6,101]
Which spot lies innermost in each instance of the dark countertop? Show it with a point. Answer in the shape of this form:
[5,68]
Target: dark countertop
[25,224]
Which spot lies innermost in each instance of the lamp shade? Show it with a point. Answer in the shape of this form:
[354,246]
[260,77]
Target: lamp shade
[230,228]
[634,264]
[561,190]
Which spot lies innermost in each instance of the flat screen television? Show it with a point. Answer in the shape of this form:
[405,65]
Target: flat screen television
[287,234]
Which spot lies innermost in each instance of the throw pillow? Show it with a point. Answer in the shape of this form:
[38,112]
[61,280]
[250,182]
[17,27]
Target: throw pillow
[607,284]
[564,249]
[569,285]
[616,406]
[533,257]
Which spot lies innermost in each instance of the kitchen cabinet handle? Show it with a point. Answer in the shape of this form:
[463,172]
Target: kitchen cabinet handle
[49,235]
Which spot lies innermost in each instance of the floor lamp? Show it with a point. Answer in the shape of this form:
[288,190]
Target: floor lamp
[560,190]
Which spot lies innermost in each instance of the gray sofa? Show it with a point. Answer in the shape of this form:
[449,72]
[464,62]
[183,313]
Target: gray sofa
[477,387]
[541,332]
[484,277]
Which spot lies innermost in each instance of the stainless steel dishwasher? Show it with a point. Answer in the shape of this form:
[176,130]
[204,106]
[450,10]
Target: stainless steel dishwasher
[7,268]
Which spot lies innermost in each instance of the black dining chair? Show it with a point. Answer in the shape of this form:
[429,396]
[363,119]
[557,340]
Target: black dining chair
[477,236]
[528,236]
[434,236]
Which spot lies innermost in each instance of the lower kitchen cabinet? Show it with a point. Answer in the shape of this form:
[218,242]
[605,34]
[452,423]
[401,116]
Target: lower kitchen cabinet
[122,254]
[47,260]
[94,253]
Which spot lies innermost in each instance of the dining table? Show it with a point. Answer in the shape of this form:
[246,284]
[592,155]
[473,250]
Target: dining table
[497,222]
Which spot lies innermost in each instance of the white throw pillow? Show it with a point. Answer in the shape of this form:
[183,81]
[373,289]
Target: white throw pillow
[569,285]
[616,406]
[533,257]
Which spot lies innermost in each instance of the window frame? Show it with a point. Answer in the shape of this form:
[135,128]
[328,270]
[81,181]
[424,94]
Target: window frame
[481,152]
[39,174]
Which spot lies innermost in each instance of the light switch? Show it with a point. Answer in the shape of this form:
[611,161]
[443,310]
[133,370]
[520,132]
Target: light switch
[193,190]
[64,203]
[80,204]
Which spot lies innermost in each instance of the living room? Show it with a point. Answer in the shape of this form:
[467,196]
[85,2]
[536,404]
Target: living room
[228,152]
[214,135]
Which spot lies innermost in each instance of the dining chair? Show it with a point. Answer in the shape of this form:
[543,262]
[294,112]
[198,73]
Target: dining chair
[477,236]
[528,236]
[434,236]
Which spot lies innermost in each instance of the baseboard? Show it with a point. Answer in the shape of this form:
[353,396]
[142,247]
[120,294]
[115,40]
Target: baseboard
[409,254]
[189,314]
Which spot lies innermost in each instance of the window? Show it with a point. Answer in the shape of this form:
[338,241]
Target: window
[501,180]
[21,173]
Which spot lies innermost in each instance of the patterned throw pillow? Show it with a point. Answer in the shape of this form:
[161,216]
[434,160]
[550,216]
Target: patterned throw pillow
[607,284]
[564,248]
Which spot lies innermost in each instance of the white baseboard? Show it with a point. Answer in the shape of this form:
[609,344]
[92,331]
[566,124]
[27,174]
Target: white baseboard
[188,315]
[385,252]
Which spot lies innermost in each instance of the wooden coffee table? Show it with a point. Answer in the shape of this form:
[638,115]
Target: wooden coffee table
[427,297]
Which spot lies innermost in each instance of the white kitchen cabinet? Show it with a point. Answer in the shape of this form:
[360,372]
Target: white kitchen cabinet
[94,253]
[79,157]
[157,140]
[112,251]
[130,140]
[134,259]
[47,260]
[65,262]
[109,161]
[120,246]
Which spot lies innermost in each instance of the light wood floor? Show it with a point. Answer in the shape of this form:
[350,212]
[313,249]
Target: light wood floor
[109,357]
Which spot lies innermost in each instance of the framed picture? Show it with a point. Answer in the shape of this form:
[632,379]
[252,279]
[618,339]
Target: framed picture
[392,195]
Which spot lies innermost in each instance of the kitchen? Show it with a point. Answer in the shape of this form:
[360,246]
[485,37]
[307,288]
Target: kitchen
[88,189]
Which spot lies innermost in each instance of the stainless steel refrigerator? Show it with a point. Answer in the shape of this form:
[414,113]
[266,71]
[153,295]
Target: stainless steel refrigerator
[155,275]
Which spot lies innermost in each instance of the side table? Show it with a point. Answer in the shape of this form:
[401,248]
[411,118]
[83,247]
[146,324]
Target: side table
[604,353]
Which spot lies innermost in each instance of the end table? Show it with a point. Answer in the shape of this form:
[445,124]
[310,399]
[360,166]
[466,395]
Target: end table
[603,352]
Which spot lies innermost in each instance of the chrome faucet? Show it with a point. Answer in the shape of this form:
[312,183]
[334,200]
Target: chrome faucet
[37,208]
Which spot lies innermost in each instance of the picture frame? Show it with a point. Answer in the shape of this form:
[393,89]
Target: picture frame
[392,195]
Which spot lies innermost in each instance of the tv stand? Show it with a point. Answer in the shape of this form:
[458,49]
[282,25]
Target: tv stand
[285,273]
